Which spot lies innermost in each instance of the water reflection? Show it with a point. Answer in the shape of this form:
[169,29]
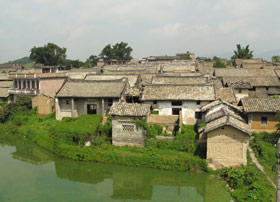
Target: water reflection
[127,183]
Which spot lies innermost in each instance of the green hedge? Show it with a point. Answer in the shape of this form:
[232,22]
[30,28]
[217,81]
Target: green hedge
[186,141]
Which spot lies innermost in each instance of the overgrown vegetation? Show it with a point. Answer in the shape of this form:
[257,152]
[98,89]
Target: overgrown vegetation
[264,146]
[248,183]
[66,138]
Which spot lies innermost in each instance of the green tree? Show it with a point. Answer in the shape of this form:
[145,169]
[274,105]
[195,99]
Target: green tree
[242,53]
[93,59]
[50,54]
[119,51]
[275,58]
[218,63]
[107,53]
[69,64]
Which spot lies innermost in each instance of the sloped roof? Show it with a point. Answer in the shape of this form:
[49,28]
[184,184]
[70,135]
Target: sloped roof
[261,104]
[222,112]
[6,84]
[254,81]
[4,77]
[132,79]
[242,72]
[178,92]
[4,92]
[133,92]
[178,68]
[227,121]
[215,103]
[178,80]
[92,89]
[238,84]
[129,109]
[225,94]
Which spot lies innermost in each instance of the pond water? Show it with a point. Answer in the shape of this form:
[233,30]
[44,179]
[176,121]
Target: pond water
[30,173]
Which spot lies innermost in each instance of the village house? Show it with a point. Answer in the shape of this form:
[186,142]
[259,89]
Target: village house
[78,97]
[32,84]
[45,69]
[6,68]
[134,80]
[227,140]
[248,63]
[186,56]
[5,84]
[261,113]
[124,129]
[179,80]
[225,135]
[182,100]
[44,103]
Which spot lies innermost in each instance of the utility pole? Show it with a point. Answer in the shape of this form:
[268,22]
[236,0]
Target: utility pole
[278,173]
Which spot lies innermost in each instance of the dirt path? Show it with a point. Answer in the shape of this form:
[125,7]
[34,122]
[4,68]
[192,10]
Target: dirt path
[255,161]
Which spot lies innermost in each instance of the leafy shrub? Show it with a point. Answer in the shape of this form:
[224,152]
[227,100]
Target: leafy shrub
[265,149]
[249,184]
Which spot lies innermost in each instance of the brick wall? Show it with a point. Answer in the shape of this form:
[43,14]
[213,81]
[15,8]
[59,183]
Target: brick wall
[226,146]
[257,126]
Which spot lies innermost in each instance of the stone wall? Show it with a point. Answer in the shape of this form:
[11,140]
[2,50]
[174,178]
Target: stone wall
[125,132]
[226,146]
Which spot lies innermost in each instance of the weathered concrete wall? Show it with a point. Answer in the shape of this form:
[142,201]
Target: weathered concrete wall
[168,122]
[188,110]
[124,132]
[226,147]
[257,126]
[44,104]
[50,86]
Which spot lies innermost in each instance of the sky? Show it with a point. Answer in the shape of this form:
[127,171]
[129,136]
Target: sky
[150,27]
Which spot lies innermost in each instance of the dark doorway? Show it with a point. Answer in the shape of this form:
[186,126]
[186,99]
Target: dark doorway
[92,109]
[176,111]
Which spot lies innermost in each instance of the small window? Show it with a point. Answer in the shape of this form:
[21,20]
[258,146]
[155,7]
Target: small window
[264,120]
[198,115]
[250,118]
[110,102]
[128,128]
[67,102]
[267,88]
[176,103]
[239,90]
[198,102]
[155,102]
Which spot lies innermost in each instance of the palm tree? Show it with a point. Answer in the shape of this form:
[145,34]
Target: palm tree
[242,53]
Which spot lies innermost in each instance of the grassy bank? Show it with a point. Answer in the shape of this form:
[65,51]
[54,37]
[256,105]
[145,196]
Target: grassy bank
[248,183]
[66,138]
[264,146]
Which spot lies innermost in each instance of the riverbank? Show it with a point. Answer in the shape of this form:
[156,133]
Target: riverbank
[66,139]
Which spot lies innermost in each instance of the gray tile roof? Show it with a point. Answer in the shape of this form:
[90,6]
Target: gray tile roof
[132,79]
[130,109]
[222,112]
[261,104]
[253,81]
[178,80]
[225,94]
[238,84]
[178,92]
[92,89]
[227,121]
[6,84]
[217,102]
[242,72]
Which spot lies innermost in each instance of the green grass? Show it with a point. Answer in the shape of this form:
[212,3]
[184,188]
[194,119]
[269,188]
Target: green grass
[265,151]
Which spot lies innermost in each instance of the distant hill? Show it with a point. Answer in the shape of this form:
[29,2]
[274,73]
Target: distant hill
[22,61]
